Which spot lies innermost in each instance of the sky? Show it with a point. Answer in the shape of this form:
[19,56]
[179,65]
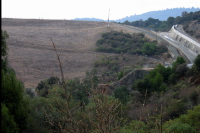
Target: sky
[70,9]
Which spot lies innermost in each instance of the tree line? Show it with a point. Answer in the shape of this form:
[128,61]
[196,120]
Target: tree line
[159,25]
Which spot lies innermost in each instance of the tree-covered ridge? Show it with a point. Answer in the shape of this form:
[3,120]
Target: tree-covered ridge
[137,44]
[161,14]
[157,24]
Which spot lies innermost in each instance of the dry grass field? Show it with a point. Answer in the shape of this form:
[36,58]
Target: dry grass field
[31,51]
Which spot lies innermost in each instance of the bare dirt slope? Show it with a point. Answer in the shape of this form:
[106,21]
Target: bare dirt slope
[31,51]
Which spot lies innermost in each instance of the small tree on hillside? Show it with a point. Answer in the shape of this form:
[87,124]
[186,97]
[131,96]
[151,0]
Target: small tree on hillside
[196,65]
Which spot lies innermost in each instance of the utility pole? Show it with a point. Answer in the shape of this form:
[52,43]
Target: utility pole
[108,17]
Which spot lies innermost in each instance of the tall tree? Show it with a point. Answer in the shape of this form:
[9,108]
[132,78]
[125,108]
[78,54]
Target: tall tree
[4,36]
[197,64]
[14,106]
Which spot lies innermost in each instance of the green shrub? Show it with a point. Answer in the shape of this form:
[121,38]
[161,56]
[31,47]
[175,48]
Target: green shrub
[120,75]
[119,42]
[187,123]
[7,121]
[134,127]
[176,108]
[122,93]
[149,49]
[178,127]
[46,84]
[152,82]
[192,117]
[196,65]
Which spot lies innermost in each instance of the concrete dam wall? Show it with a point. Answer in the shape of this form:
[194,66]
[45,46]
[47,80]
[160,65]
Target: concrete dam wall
[185,40]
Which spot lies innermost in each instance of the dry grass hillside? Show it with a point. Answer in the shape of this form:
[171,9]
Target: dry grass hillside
[193,29]
[31,51]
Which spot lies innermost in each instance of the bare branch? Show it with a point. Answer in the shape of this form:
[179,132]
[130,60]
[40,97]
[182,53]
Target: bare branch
[60,65]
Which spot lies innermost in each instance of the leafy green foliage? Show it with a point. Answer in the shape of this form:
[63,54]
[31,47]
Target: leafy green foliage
[157,79]
[165,72]
[12,94]
[122,93]
[7,120]
[44,85]
[179,60]
[192,117]
[185,123]
[119,42]
[194,97]
[151,82]
[178,127]
[56,113]
[14,104]
[91,80]
[196,65]
[112,68]
[149,49]
[134,127]
[177,107]
[4,36]
[89,109]
[4,61]
[120,75]
[80,92]
[178,70]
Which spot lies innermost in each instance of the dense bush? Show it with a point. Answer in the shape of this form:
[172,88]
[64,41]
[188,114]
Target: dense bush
[196,66]
[119,42]
[187,123]
[134,127]
[151,82]
[157,79]
[178,127]
[46,84]
[122,93]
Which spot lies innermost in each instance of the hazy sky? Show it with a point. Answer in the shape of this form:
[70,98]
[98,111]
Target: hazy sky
[70,9]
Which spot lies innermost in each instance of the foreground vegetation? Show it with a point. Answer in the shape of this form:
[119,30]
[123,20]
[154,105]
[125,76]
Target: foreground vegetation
[81,106]
[157,103]
[14,102]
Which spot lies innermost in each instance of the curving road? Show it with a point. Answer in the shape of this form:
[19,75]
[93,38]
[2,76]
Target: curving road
[180,29]
[187,52]
[172,48]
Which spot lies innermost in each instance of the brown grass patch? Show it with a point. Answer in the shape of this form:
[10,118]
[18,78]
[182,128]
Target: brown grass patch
[31,52]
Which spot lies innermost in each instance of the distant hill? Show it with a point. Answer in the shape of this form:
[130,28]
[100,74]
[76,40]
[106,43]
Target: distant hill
[161,14]
[89,19]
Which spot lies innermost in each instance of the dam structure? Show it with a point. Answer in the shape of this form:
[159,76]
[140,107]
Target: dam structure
[184,40]
[189,46]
